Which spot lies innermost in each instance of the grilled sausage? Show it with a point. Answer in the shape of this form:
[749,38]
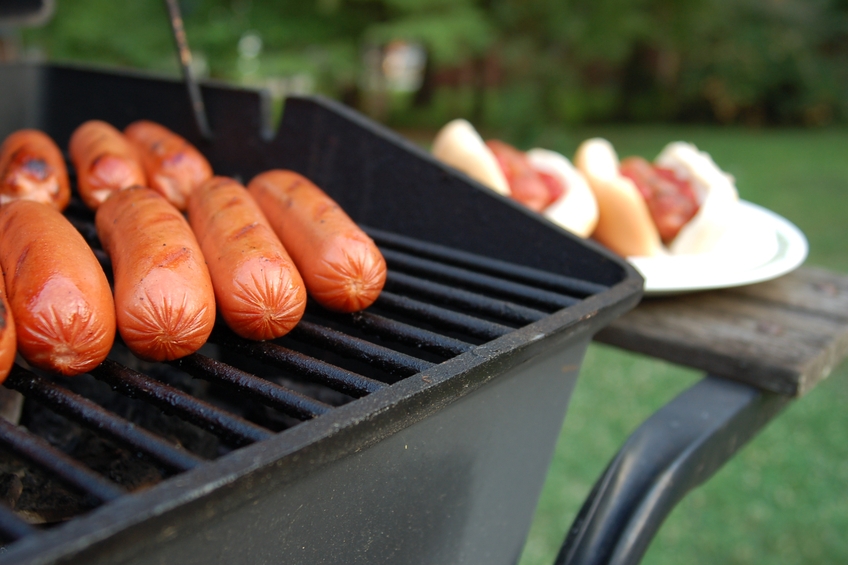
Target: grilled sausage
[259,292]
[8,339]
[59,296]
[163,294]
[342,268]
[32,168]
[105,161]
[174,167]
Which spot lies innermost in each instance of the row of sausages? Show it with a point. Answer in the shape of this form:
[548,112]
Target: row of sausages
[184,245]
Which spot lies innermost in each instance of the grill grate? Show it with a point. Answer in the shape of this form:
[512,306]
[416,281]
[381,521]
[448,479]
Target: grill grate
[438,303]
[87,413]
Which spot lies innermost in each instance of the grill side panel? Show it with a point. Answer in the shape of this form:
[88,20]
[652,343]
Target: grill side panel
[459,488]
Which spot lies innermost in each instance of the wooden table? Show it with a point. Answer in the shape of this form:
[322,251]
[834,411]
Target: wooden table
[782,336]
[761,346]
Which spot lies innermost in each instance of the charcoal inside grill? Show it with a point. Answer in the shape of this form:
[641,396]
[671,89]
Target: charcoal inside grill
[119,464]
[37,496]
[44,499]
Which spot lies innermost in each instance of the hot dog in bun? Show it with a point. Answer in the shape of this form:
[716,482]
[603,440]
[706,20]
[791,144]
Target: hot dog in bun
[680,204]
[577,209]
[542,180]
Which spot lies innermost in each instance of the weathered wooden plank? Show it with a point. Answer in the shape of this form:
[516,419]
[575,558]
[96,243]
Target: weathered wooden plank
[810,288]
[783,335]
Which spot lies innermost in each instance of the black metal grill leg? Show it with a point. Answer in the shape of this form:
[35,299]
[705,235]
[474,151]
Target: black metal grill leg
[683,444]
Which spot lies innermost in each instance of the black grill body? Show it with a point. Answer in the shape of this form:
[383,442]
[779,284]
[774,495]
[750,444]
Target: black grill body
[442,465]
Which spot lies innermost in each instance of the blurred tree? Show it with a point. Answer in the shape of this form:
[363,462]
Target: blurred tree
[505,63]
[116,33]
[729,60]
[452,30]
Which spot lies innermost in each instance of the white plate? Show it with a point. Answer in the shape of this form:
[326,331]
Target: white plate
[763,247]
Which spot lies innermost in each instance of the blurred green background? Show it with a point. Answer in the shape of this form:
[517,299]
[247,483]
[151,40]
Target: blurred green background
[760,84]
[507,64]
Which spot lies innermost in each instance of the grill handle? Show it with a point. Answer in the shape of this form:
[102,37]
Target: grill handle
[195,97]
[683,444]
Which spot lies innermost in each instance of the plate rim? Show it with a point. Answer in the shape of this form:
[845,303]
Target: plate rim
[791,253]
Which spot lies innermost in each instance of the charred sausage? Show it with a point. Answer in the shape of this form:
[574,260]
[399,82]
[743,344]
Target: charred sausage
[59,296]
[32,168]
[342,268]
[105,162]
[258,289]
[174,167]
[163,294]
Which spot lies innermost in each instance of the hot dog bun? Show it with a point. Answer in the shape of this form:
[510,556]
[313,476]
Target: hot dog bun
[577,210]
[459,145]
[624,222]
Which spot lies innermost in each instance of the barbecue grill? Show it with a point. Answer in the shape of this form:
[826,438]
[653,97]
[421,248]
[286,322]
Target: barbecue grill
[417,431]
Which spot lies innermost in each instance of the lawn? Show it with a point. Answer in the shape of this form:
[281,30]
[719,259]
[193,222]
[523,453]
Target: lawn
[784,497]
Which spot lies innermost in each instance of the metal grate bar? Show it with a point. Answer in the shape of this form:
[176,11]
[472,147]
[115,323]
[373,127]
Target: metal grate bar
[99,420]
[229,427]
[390,329]
[441,316]
[305,366]
[278,397]
[13,528]
[486,283]
[501,309]
[55,462]
[395,363]
[529,275]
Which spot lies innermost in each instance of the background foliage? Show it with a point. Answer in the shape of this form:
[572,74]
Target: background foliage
[506,63]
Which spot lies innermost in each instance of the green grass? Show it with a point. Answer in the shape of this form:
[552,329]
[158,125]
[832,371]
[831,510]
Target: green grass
[784,497]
